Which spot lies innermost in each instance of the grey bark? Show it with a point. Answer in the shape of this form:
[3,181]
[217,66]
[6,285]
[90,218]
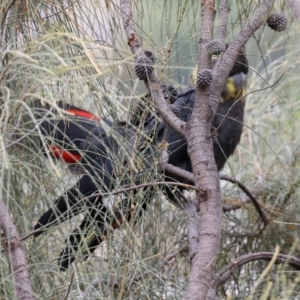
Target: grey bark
[197,132]
[14,252]
[200,147]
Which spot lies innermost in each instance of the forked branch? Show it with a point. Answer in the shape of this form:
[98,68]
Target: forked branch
[152,84]
[224,274]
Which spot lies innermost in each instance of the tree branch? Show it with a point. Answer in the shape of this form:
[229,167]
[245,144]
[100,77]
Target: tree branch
[248,193]
[178,171]
[200,147]
[173,255]
[224,10]
[223,275]
[166,167]
[225,62]
[134,41]
[152,84]
[200,150]
[193,229]
[189,176]
[11,242]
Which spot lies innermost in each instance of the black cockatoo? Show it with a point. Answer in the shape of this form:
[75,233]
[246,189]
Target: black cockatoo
[92,145]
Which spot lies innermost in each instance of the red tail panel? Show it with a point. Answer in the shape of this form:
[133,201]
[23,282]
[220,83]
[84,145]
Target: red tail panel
[66,156]
[83,114]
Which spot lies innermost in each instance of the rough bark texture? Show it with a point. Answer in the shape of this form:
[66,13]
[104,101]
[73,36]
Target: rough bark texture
[10,240]
[134,42]
[193,225]
[201,150]
[197,132]
[224,10]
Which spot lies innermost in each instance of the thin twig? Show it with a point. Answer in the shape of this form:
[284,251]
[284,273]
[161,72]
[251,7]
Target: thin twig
[223,275]
[167,49]
[231,207]
[178,171]
[240,99]
[3,26]
[152,84]
[140,186]
[170,256]
[70,284]
[248,193]
[166,167]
